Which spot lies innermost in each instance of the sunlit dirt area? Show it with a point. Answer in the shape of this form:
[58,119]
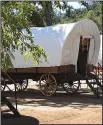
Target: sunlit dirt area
[61,108]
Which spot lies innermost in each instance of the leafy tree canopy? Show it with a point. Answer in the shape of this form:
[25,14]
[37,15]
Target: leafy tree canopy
[15,18]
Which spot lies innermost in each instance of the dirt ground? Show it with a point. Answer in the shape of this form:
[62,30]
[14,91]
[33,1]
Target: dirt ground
[81,108]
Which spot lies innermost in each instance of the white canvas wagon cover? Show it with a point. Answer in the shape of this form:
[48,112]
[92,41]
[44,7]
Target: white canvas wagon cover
[100,53]
[61,43]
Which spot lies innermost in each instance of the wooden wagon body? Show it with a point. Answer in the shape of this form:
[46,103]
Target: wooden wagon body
[36,72]
[58,75]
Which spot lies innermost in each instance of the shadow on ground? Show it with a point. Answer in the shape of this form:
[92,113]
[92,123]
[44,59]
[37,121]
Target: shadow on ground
[34,98]
[10,119]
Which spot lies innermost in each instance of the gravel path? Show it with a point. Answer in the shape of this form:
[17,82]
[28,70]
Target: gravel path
[60,108]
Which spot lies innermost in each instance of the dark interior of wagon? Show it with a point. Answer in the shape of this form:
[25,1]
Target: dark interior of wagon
[82,61]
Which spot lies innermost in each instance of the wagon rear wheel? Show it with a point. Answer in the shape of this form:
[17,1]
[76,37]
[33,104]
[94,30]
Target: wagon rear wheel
[71,87]
[22,85]
[48,84]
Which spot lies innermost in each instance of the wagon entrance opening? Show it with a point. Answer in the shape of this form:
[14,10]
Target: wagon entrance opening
[83,55]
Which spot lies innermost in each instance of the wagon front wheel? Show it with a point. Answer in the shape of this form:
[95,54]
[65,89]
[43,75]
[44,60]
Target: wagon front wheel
[48,84]
[71,87]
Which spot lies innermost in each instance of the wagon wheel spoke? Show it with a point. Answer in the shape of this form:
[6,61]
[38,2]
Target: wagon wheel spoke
[47,84]
[43,87]
[51,88]
[52,84]
[71,88]
[22,86]
[18,86]
[48,92]
[44,77]
[44,81]
[52,81]
[74,86]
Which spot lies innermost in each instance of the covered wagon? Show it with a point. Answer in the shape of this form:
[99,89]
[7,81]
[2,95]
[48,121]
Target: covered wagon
[71,49]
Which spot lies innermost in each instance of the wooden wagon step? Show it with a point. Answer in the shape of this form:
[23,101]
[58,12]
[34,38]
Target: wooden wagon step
[5,101]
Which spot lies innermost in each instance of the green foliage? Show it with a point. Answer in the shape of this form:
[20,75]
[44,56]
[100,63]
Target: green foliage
[15,17]
[37,53]
[92,10]
[96,15]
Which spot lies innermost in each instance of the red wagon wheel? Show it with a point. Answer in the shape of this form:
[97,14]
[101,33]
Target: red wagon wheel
[71,87]
[48,84]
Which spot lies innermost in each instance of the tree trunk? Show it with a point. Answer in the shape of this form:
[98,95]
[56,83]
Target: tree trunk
[36,20]
[48,12]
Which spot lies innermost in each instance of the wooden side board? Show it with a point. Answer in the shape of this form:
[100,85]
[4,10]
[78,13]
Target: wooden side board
[55,69]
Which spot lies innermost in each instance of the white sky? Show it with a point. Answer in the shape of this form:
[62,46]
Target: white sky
[75,5]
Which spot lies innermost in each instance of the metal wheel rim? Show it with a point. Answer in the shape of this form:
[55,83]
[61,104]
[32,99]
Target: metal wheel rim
[71,88]
[48,84]
[23,86]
